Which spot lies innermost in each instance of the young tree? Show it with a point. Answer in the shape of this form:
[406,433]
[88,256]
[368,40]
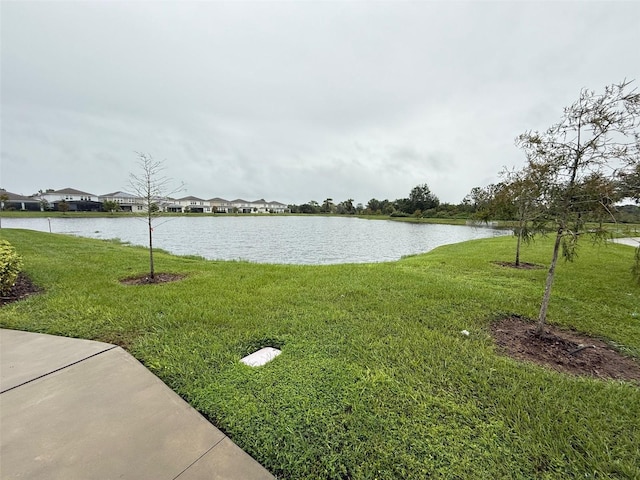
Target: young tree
[597,135]
[63,206]
[153,189]
[110,206]
[598,195]
[521,197]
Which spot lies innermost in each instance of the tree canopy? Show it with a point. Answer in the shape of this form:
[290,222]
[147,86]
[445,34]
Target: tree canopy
[593,147]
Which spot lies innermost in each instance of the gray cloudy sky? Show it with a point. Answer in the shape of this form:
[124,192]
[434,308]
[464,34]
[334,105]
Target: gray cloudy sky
[295,101]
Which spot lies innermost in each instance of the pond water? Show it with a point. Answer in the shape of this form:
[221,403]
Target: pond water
[269,239]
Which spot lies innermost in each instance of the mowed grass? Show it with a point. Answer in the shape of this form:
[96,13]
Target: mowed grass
[375,380]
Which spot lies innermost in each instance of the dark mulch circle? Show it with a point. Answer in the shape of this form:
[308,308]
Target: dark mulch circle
[157,278]
[563,350]
[521,266]
[23,288]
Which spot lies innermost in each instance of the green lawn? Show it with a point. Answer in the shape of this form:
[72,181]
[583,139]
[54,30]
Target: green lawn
[375,380]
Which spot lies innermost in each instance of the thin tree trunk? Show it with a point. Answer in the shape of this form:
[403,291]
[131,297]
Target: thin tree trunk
[542,317]
[568,194]
[521,225]
[151,272]
[518,248]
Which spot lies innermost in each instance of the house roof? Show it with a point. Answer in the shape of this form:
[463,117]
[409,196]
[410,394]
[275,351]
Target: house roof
[16,197]
[71,191]
[262,200]
[191,198]
[119,194]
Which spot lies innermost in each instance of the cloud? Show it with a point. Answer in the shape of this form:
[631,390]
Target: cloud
[294,101]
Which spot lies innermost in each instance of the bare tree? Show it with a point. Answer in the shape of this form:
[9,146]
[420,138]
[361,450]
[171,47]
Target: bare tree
[597,136]
[153,189]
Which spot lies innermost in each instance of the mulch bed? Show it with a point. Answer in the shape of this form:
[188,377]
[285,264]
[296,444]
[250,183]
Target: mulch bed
[562,350]
[157,278]
[23,288]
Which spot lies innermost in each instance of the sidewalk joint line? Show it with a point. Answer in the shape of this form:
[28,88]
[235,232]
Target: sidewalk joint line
[197,459]
[61,368]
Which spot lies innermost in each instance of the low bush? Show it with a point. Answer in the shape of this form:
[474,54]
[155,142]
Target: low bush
[10,266]
[398,213]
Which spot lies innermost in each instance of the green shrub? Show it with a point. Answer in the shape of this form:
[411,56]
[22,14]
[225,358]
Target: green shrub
[10,266]
[399,213]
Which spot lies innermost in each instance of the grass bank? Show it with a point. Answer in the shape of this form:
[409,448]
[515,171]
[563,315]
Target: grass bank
[375,379]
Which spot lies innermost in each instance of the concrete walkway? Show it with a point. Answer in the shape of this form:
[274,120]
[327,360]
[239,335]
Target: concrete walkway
[77,409]
[632,241]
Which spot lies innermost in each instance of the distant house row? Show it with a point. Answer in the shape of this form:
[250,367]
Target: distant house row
[78,201]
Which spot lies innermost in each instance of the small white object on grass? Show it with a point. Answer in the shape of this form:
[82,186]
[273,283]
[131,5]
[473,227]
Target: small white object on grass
[262,356]
[465,333]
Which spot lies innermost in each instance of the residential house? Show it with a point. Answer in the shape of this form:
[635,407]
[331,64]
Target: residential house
[76,200]
[262,206]
[15,201]
[241,206]
[220,205]
[132,203]
[278,207]
[194,204]
[127,201]
[170,205]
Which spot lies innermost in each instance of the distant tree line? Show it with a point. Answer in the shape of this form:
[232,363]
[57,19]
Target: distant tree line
[421,202]
[517,198]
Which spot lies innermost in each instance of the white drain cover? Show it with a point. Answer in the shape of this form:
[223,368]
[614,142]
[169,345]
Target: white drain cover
[262,356]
